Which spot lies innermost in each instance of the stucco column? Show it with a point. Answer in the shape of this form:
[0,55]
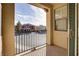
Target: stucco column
[49,22]
[8,45]
[0,34]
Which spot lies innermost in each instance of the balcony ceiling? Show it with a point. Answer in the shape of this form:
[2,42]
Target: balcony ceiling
[53,4]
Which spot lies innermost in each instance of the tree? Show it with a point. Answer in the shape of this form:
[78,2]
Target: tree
[18,26]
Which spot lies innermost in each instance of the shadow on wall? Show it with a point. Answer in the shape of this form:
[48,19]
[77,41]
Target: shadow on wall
[0,33]
[0,46]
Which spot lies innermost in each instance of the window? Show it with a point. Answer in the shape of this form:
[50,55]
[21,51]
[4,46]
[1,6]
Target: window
[61,18]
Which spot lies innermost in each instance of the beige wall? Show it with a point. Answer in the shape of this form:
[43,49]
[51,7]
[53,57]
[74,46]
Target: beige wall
[0,46]
[60,37]
[0,32]
[50,27]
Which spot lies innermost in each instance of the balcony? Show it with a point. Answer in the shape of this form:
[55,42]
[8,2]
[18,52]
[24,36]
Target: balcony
[19,45]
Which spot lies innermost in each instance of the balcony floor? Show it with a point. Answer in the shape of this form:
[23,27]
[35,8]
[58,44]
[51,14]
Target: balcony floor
[48,51]
[39,52]
[56,51]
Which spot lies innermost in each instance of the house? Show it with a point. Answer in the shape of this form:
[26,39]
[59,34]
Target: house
[24,27]
[40,28]
[28,27]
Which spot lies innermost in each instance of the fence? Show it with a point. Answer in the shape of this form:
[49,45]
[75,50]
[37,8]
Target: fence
[29,41]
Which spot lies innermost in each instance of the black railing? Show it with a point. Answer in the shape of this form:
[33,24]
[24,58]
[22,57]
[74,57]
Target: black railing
[29,41]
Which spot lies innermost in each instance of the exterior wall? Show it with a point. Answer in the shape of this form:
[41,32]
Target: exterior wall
[0,32]
[60,37]
[49,27]
[0,46]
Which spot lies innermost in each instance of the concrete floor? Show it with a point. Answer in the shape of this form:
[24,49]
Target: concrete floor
[39,52]
[55,51]
[48,51]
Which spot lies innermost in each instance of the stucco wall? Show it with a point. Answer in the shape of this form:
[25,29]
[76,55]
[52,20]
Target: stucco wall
[60,37]
[49,27]
[0,46]
[0,32]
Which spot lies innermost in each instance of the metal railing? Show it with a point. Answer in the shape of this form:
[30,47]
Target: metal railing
[29,41]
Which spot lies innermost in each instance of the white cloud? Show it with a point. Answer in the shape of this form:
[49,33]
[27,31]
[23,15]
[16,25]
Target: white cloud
[38,11]
[38,19]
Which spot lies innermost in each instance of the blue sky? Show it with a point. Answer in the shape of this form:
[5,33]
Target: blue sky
[26,13]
